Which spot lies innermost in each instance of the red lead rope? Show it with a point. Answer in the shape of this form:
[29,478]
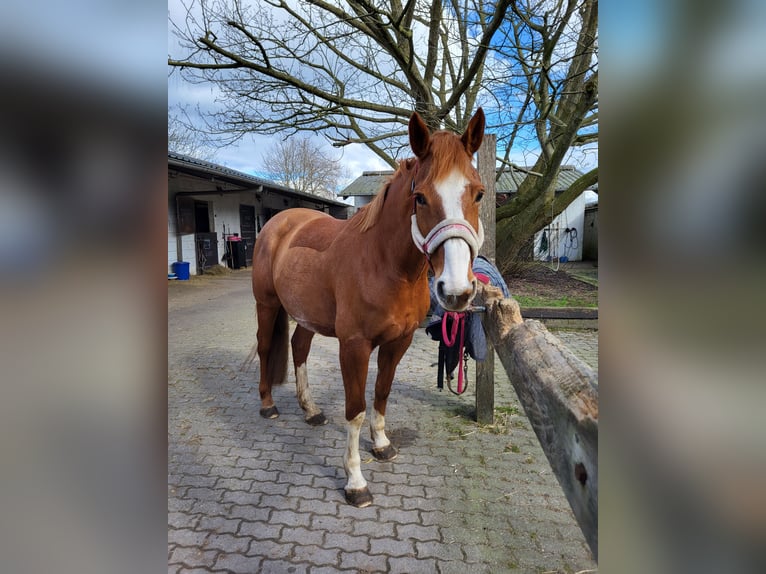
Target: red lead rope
[458,322]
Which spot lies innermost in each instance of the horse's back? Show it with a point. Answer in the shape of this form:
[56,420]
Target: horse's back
[297,228]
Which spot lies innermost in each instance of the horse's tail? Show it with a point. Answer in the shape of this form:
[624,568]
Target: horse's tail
[277,359]
[248,362]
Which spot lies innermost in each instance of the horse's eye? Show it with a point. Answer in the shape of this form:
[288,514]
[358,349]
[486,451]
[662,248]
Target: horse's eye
[479,196]
[420,199]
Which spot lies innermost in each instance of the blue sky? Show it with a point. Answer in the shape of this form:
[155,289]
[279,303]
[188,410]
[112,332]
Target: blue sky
[246,154]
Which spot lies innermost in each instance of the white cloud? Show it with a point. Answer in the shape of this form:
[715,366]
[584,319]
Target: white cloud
[356,158]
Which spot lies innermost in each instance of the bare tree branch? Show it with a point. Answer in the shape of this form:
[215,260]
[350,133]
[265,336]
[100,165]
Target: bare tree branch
[353,71]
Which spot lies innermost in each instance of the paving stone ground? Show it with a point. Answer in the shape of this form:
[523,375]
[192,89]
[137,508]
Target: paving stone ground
[249,495]
[582,342]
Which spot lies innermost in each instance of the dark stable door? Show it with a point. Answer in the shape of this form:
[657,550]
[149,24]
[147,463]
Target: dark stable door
[247,230]
[207,250]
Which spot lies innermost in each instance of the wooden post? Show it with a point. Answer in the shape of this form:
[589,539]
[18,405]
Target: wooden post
[486,160]
[485,370]
[559,394]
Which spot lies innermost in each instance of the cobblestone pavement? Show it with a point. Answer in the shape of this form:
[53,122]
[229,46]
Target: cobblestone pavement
[583,343]
[247,494]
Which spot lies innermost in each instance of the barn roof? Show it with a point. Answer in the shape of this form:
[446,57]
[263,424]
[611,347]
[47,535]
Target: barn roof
[366,184]
[196,166]
[371,181]
[510,181]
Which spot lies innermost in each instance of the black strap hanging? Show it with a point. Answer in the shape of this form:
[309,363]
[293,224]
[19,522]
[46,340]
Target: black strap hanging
[441,368]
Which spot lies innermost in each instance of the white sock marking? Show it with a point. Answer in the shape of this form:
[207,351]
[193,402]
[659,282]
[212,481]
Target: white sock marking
[378,430]
[351,459]
[302,390]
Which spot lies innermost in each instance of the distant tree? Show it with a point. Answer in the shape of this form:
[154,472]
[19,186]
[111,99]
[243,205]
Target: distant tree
[302,165]
[184,138]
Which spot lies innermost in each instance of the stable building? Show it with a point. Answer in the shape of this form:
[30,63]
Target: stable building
[215,213]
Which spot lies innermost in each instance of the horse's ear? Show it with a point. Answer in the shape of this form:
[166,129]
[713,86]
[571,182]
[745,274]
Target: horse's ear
[474,133]
[420,136]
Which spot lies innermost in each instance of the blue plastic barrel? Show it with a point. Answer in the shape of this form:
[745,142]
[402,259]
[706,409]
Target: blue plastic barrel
[181,269]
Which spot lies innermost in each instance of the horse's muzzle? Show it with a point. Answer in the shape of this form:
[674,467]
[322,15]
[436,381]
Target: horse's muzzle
[455,301]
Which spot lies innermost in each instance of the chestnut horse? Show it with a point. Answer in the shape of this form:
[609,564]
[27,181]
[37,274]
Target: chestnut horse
[365,280]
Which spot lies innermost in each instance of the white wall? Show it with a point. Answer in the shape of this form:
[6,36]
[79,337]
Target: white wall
[362,200]
[226,214]
[189,252]
[172,239]
[560,243]
[224,211]
[180,248]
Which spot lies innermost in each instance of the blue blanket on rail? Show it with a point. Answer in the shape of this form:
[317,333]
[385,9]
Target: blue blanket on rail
[475,339]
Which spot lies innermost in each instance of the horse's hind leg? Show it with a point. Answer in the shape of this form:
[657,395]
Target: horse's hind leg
[301,343]
[272,353]
[389,356]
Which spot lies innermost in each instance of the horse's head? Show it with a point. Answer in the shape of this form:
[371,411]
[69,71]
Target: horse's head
[446,192]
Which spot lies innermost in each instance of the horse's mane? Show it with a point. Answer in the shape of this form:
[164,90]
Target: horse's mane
[368,215]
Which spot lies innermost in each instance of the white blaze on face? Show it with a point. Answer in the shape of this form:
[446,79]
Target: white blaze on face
[457,254]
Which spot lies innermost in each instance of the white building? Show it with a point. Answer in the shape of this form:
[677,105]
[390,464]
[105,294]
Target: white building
[562,238]
[209,204]
[365,187]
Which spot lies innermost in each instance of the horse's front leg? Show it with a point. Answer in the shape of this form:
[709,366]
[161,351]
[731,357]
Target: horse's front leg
[354,361]
[389,356]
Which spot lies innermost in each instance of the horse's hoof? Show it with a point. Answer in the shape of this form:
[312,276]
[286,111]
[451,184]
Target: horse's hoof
[388,452]
[270,412]
[359,498]
[317,420]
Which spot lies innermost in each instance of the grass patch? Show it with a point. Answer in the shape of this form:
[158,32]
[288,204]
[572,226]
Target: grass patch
[589,279]
[465,412]
[564,301]
[459,424]
[455,432]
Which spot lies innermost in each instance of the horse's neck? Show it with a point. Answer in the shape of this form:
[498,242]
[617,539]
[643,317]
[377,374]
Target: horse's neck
[393,235]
